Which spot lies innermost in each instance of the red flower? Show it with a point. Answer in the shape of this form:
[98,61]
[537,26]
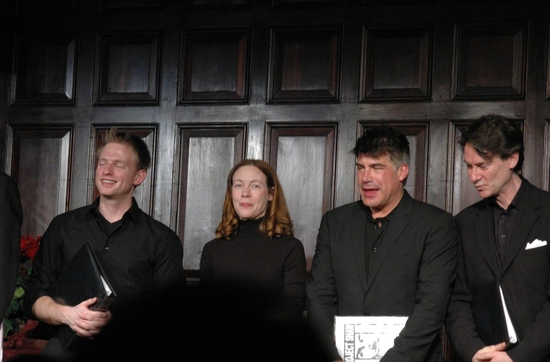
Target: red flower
[29,245]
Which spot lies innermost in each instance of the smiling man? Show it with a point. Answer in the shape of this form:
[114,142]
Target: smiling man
[500,306]
[138,253]
[385,255]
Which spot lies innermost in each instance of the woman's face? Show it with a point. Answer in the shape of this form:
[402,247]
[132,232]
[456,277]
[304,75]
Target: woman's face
[250,193]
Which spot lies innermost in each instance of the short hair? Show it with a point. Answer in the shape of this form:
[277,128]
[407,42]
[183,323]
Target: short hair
[277,220]
[114,135]
[493,135]
[384,140]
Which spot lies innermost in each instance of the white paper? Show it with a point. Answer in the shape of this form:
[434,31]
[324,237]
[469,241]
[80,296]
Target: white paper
[512,337]
[366,338]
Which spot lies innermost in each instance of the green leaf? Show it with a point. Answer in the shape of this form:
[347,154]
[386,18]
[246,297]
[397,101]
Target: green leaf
[19,292]
[8,326]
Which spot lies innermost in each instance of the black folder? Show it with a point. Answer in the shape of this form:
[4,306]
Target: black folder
[82,279]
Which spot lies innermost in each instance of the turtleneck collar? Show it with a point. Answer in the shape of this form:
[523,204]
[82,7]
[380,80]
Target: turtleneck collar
[250,225]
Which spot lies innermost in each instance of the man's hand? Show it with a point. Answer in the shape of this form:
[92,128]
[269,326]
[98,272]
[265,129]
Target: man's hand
[82,320]
[493,353]
[86,322]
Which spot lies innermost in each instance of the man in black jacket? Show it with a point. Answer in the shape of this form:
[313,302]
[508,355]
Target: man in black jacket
[500,306]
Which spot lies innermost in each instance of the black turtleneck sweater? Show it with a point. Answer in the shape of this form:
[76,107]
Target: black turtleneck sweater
[249,259]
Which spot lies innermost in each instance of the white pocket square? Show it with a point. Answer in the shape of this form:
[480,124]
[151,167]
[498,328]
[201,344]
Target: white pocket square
[535,244]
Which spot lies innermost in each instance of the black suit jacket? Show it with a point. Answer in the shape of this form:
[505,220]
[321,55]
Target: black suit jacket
[414,271]
[524,278]
[11,217]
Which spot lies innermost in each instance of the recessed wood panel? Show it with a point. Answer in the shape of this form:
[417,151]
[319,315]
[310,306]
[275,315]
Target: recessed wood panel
[41,7]
[463,193]
[44,72]
[214,4]
[396,64]
[127,68]
[303,156]
[131,4]
[144,192]
[490,62]
[206,155]
[305,65]
[417,135]
[304,3]
[41,164]
[214,66]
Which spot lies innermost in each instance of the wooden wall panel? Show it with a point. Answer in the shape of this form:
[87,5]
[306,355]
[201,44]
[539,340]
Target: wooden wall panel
[131,4]
[396,64]
[417,135]
[463,193]
[127,68]
[216,4]
[490,61]
[44,72]
[303,156]
[214,66]
[305,65]
[144,193]
[206,155]
[41,164]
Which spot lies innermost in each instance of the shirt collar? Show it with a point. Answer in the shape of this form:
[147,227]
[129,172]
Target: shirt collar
[132,213]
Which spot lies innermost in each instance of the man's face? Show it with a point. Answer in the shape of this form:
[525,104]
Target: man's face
[491,177]
[380,184]
[117,174]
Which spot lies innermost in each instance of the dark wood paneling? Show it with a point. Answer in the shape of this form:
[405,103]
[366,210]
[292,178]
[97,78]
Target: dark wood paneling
[127,68]
[305,65]
[303,154]
[206,153]
[417,135]
[131,4]
[41,164]
[490,61]
[214,66]
[44,72]
[217,4]
[396,64]
[144,194]
[50,6]
[316,3]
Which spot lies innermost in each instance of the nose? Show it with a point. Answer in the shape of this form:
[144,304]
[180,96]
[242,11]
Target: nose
[366,175]
[473,174]
[108,169]
[245,192]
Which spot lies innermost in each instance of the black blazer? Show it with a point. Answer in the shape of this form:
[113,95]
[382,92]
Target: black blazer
[415,269]
[524,278]
[11,217]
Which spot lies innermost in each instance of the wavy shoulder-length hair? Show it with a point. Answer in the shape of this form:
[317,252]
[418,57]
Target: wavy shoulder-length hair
[276,221]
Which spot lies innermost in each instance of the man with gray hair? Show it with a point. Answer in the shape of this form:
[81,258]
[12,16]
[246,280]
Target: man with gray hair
[385,255]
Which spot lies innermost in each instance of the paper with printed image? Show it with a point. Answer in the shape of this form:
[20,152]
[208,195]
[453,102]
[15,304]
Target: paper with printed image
[366,338]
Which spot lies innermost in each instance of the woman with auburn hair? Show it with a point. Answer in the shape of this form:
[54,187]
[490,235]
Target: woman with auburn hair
[254,246]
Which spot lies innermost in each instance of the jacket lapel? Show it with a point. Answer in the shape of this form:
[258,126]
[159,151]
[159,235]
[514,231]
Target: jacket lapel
[528,205]
[398,223]
[357,238]
[484,234]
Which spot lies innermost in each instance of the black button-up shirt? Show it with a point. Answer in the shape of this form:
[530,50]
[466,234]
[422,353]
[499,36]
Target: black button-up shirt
[141,255]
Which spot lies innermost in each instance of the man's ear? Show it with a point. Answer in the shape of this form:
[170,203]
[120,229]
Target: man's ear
[403,172]
[513,160]
[140,177]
